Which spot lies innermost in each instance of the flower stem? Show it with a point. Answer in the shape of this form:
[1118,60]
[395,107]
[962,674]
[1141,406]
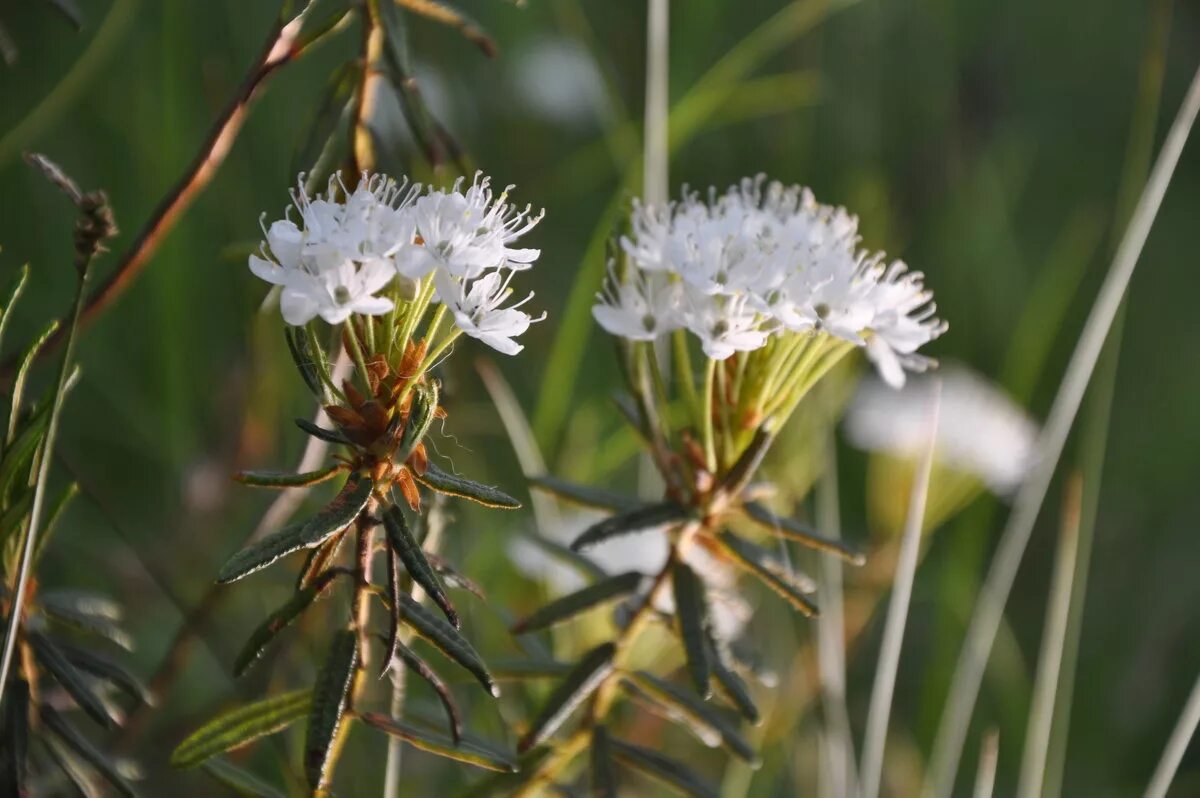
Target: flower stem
[710,451]
[683,373]
[356,350]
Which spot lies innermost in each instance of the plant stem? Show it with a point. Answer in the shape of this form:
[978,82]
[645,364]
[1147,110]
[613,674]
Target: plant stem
[710,451]
[684,375]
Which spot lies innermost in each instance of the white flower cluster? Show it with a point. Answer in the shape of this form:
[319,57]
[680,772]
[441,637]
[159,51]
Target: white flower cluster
[760,260]
[341,253]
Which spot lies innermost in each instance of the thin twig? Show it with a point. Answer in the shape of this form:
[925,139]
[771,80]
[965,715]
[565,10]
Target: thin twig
[1041,713]
[989,610]
[989,757]
[880,708]
[1176,746]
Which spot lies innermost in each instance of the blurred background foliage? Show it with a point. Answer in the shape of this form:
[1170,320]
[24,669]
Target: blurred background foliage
[984,143]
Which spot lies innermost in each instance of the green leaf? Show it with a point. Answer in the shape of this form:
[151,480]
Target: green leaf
[71,765]
[338,515]
[14,739]
[330,696]
[749,557]
[733,687]
[71,679]
[17,462]
[81,602]
[436,479]
[287,479]
[691,611]
[22,377]
[604,780]
[794,530]
[583,680]
[86,751]
[241,726]
[670,772]
[422,669]
[709,723]
[318,560]
[339,93]
[276,622]
[469,752]
[242,782]
[299,344]
[584,495]
[646,517]
[401,539]
[15,289]
[320,433]
[747,464]
[88,624]
[420,417]
[570,605]
[57,509]
[105,668]
[446,639]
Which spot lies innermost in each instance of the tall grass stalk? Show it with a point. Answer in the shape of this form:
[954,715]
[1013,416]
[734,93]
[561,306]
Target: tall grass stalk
[1176,746]
[1041,713]
[989,758]
[990,607]
[880,708]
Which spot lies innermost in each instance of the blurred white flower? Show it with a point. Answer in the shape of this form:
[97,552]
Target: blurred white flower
[645,552]
[774,261]
[476,308]
[981,431]
[641,308]
[558,79]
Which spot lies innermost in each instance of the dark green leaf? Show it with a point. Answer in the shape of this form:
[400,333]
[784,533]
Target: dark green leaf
[331,693]
[14,739]
[242,782]
[436,479]
[88,752]
[241,726]
[338,515]
[469,752]
[89,624]
[17,462]
[584,495]
[708,722]
[70,10]
[105,668]
[401,539]
[74,682]
[420,121]
[72,766]
[453,578]
[626,523]
[80,602]
[733,687]
[749,557]
[604,779]
[794,530]
[299,343]
[580,563]
[445,638]
[11,295]
[320,433]
[318,560]
[691,610]
[422,669]
[16,515]
[665,769]
[287,479]
[570,605]
[447,14]
[420,417]
[746,466]
[579,684]
[276,622]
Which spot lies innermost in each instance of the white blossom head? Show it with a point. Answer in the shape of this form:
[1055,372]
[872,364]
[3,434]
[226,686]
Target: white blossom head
[981,431]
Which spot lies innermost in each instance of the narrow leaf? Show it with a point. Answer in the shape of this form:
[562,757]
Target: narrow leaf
[422,669]
[242,782]
[71,679]
[670,772]
[241,726]
[794,530]
[584,495]
[420,417]
[693,710]
[22,377]
[604,780]
[72,766]
[441,481]
[744,554]
[300,345]
[14,739]
[330,695]
[469,752]
[15,289]
[318,560]
[89,624]
[338,515]
[105,668]
[287,479]
[86,750]
[446,639]
[276,622]
[579,684]
[649,516]
[320,433]
[691,610]
[580,563]
[746,466]
[733,687]
[401,539]
[81,602]
[572,604]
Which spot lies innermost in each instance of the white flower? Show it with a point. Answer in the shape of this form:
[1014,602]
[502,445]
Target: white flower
[332,292]
[467,233]
[639,309]
[980,431]
[724,323]
[476,308]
